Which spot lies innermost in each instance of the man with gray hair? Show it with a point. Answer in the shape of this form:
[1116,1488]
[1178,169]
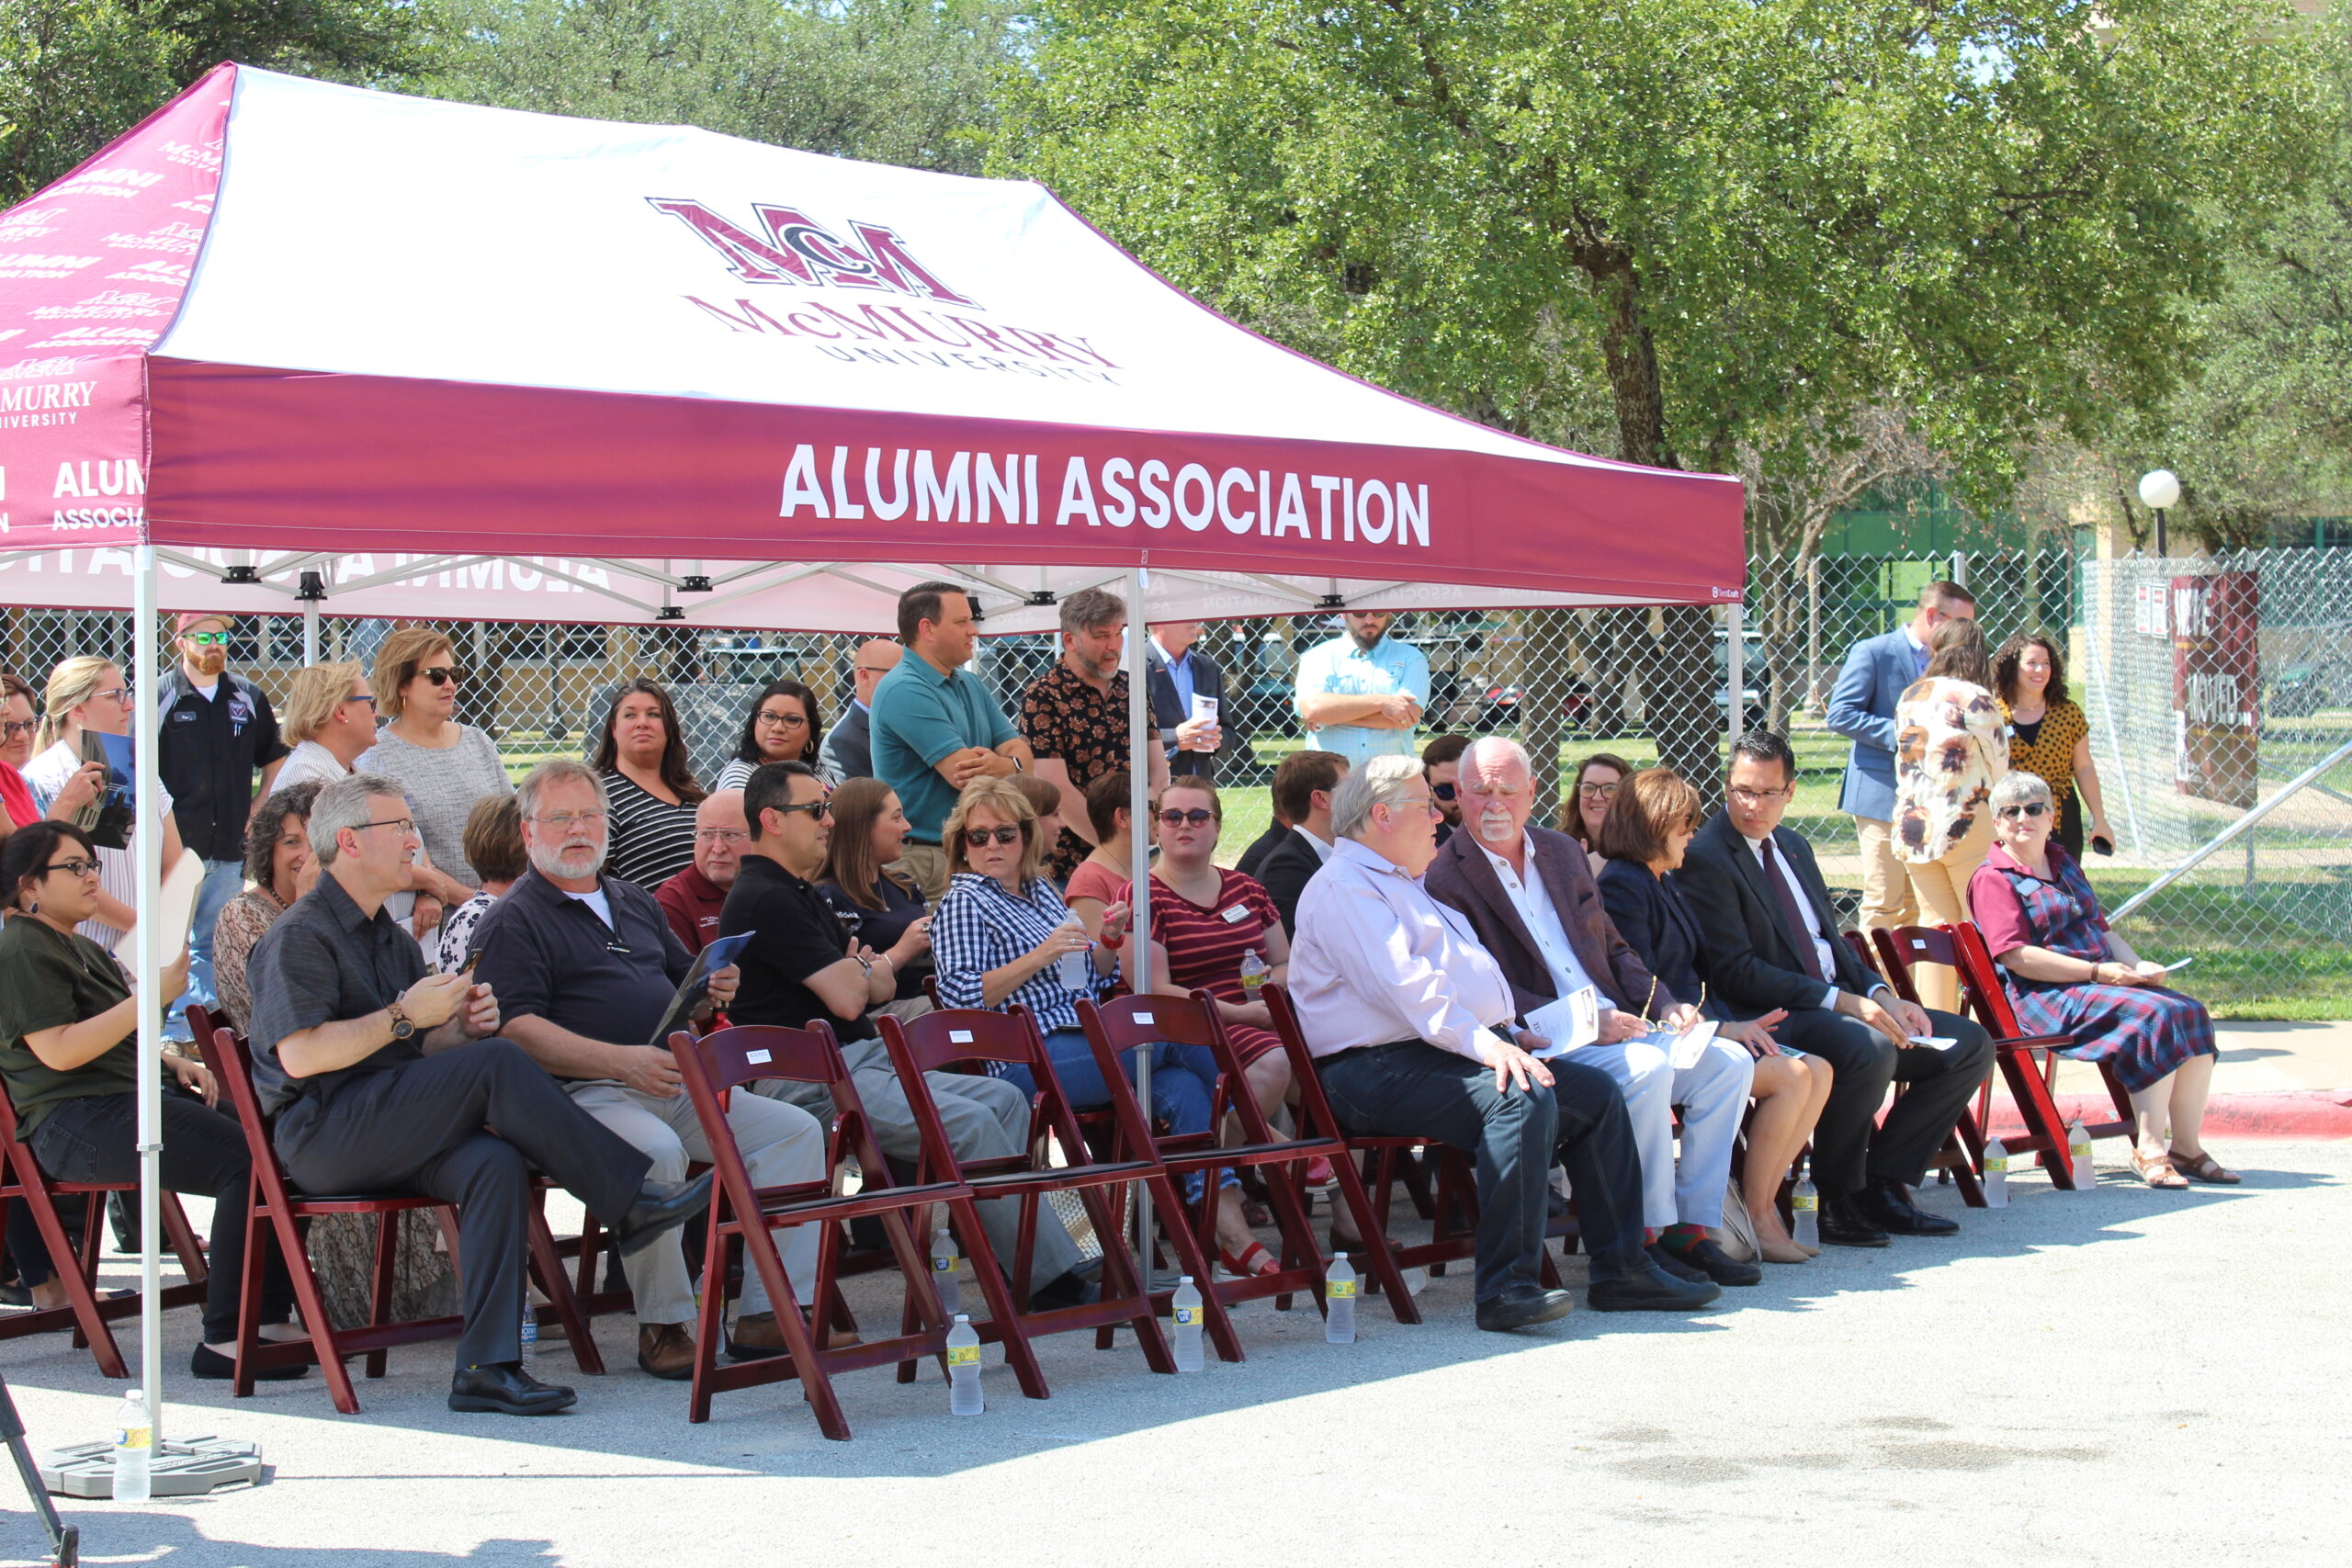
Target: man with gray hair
[1529,894]
[1413,1029]
[382,1078]
[1075,718]
[586,964]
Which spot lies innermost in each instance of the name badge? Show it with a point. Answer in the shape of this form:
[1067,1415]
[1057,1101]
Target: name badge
[959,1037]
[1144,1018]
[757,1058]
[1234,916]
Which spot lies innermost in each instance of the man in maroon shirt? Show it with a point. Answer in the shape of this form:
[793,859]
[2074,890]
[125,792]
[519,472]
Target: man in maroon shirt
[693,898]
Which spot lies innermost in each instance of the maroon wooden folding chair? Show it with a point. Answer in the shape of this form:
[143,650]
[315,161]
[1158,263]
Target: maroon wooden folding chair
[941,1039]
[749,1216]
[85,1313]
[275,1215]
[1981,981]
[1962,1157]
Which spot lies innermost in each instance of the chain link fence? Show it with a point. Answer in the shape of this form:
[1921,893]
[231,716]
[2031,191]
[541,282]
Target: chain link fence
[2266,915]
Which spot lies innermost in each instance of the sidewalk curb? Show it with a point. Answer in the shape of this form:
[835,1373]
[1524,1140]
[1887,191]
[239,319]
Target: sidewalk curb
[2303,1114]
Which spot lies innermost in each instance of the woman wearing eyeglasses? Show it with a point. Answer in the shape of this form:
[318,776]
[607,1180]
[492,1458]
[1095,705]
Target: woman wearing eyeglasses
[883,909]
[2068,973]
[18,808]
[441,765]
[279,868]
[782,727]
[91,695]
[69,1055]
[1598,777]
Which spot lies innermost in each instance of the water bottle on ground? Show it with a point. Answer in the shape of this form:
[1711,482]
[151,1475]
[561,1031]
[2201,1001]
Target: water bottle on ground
[1805,1205]
[530,1330]
[135,1448]
[1996,1175]
[964,1368]
[1077,969]
[1186,1308]
[2078,1150]
[1254,971]
[944,1277]
[1339,1300]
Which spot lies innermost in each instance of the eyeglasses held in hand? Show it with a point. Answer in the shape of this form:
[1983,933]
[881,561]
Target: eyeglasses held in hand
[1442,791]
[2030,810]
[76,867]
[1196,816]
[563,822]
[443,674]
[980,837]
[205,639]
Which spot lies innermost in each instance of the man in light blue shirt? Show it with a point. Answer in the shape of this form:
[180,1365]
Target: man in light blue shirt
[1361,694]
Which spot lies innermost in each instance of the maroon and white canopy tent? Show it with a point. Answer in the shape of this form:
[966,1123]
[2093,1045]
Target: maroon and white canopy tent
[460,362]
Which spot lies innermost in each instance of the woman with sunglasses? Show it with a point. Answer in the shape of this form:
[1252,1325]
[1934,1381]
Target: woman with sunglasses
[782,727]
[69,1056]
[1598,780]
[2068,973]
[88,694]
[650,786]
[441,765]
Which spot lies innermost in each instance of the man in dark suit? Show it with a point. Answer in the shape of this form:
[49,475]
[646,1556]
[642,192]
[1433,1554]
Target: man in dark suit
[1772,941]
[1442,765]
[1862,709]
[1528,893]
[1253,859]
[848,749]
[1178,674]
[1303,785]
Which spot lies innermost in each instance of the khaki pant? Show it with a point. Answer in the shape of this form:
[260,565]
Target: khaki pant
[927,863]
[1886,885]
[1941,887]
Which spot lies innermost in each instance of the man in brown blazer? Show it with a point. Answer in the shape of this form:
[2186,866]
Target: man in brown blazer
[1528,894]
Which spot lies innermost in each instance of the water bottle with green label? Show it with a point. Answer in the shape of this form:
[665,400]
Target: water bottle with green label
[2078,1151]
[1996,1175]
[135,1448]
[1805,1205]
[944,1279]
[1339,1300]
[1254,971]
[964,1367]
[1186,1307]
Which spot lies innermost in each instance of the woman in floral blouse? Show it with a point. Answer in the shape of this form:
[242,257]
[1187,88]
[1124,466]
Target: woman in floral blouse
[1950,748]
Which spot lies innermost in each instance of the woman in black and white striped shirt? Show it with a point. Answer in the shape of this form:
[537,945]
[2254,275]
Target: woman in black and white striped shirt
[652,788]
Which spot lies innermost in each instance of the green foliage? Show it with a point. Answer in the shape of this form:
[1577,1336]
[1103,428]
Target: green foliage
[894,81]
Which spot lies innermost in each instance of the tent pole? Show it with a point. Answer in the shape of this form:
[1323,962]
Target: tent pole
[1734,682]
[1141,736]
[145,721]
[310,632]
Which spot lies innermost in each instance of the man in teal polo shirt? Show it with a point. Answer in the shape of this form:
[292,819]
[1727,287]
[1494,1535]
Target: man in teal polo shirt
[935,727]
[1361,694]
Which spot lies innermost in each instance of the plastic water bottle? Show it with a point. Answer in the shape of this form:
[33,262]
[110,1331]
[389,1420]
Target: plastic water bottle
[1254,971]
[944,1279]
[2078,1150]
[1805,1204]
[135,1448]
[964,1368]
[1186,1306]
[1996,1175]
[1077,969]
[1339,1300]
[530,1333]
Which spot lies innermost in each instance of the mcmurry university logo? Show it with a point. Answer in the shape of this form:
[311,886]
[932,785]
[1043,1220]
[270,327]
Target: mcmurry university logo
[797,249]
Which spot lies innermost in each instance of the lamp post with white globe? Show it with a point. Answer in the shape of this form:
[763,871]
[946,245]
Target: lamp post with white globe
[2159,490]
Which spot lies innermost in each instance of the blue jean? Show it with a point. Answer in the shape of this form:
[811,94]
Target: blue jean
[1183,1086]
[222,881]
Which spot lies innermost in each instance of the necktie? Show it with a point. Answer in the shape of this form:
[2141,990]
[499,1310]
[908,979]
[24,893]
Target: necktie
[1799,933]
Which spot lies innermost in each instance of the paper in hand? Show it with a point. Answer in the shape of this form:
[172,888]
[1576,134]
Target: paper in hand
[721,953]
[2178,964]
[1570,1023]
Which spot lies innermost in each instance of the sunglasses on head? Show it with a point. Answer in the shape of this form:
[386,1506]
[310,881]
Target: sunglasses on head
[980,837]
[2030,810]
[442,674]
[1196,816]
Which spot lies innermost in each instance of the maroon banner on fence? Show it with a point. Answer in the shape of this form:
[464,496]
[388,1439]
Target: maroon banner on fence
[2217,683]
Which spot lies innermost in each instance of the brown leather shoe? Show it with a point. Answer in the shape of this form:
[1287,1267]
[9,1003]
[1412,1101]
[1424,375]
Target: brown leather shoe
[665,1351]
[756,1335]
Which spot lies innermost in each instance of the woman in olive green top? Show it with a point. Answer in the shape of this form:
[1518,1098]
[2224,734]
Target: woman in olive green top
[69,1055]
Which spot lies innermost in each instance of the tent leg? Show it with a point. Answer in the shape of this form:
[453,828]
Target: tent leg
[149,965]
[310,632]
[1735,679]
[1141,736]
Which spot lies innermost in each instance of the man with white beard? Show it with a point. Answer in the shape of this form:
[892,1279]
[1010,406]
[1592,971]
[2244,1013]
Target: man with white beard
[584,966]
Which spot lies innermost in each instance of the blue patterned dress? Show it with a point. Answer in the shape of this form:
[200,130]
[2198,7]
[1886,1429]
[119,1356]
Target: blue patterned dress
[2144,1032]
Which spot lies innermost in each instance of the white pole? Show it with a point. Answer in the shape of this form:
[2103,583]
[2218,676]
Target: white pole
[1735,699]
[1141,736]
[310,632]
[145,723]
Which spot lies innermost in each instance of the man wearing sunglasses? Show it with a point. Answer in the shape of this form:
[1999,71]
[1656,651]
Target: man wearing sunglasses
[218,734]
[1442,765]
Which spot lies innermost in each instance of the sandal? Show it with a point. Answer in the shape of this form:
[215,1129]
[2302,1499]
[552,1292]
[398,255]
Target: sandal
[1253,1261]
[2203,1166]
[2157,1170]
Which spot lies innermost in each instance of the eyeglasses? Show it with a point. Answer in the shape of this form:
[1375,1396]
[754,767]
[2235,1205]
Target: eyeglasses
[443,674]
[870,669]
[980,837]
[76,867]
[2030,810]
[819,809]
[1597,792]
[15,727]
[367,697]
[1442,791]
[406,825]
[1424,804]
[1757,796]
[122,695]
[783,721]
[1177,818]
[720,836]
[205,639]
[562,821]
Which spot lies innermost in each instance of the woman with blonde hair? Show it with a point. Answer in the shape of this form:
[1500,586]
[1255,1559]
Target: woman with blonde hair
[329,715]
[1951,746]
[87,693]
[441,765]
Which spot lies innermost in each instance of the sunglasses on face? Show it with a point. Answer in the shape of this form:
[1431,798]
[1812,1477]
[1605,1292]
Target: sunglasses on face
[367,697]
[819,809]
[205,639]
[443,674]
[76,867]
[2030,810]
[1442,791]
[1196,816]
[980,837]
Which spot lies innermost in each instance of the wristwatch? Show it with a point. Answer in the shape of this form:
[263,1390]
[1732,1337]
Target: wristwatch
[403,1026]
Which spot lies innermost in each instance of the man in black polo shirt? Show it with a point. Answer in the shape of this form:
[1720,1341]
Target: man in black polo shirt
[381,1079]
[584,966]
[218,730]
[801,965]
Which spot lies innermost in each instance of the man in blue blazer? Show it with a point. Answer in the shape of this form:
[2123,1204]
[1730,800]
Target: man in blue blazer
[1862,709]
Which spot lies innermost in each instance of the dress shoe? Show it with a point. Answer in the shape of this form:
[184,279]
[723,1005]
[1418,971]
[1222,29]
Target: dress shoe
[1675,1267]
[665,1351]
[1070,1290]
[1649,1289]
[1523,1307]
[1887,1206]
[211,1365]
[1715,1263]
[503,1388]
[757,1336]
[661,1206]
[1556,1203]
[1842,1223]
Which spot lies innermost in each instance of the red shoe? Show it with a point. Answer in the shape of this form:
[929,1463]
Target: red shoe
[1319,1172]
[1255,1260]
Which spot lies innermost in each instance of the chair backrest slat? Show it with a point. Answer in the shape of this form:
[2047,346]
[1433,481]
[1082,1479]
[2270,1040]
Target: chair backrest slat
[952,1036]
[1315,1118]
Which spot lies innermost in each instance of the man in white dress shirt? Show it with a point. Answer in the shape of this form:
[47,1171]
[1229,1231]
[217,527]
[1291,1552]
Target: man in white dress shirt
[1413,1028]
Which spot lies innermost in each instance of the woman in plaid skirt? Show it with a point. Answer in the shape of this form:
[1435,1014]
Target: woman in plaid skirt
[2068,973]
